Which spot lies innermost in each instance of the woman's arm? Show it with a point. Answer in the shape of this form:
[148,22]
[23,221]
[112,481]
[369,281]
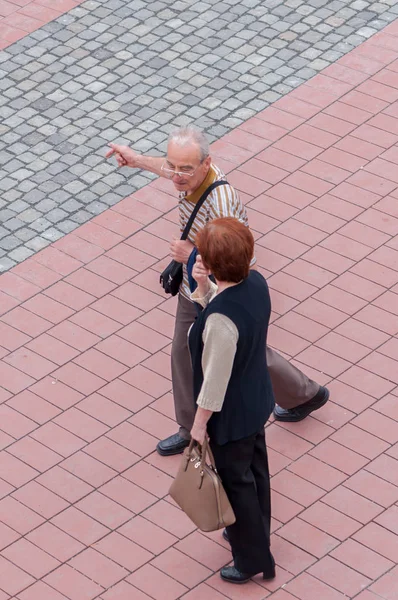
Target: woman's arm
[220,338]
[198,431]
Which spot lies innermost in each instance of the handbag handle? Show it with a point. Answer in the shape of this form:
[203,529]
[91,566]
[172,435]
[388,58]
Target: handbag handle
[198,205]
[204,450]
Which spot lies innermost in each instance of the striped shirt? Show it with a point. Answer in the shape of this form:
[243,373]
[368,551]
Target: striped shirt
[223,201]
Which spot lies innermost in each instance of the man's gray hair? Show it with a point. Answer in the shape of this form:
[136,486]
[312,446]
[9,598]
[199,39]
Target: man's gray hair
[184,136]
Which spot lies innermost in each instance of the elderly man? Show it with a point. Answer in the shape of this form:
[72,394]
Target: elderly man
[189,165]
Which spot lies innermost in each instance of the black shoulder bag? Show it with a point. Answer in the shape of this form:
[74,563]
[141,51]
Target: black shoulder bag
[171,277]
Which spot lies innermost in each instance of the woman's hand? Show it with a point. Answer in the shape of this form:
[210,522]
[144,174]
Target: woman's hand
[201,276]
[198,433]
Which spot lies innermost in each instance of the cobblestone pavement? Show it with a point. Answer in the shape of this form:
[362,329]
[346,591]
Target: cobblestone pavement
[130,71]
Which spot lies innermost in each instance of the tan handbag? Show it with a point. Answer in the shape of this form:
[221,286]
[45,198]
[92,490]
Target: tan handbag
[198,490]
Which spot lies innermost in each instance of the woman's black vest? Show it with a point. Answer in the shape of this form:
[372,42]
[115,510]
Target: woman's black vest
[249,398]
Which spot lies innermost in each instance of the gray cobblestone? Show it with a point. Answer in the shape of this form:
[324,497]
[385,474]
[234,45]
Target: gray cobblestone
[131,71]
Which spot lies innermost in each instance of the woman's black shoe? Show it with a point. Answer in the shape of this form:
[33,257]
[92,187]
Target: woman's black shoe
[233,575]
[225,535]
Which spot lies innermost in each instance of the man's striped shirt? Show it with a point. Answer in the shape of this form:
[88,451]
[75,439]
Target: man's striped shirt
[223,201]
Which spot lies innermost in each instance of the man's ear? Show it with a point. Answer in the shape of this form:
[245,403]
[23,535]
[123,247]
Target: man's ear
[207,162]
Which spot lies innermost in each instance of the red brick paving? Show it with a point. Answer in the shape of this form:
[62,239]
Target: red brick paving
[85,378]
[20,17]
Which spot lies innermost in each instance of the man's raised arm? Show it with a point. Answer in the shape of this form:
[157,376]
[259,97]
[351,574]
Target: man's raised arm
[128,158]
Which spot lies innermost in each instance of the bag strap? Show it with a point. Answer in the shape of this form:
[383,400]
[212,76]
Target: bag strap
[199,204]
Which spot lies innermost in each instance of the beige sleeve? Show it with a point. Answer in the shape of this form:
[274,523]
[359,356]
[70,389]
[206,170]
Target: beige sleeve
[204,300]
[220,337]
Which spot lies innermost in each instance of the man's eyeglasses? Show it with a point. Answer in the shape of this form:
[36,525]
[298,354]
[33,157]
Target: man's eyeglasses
[171,172]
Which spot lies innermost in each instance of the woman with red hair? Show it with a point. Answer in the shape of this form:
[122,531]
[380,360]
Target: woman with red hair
[232,387]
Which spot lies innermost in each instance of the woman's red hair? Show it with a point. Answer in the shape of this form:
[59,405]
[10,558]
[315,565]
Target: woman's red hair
[226,246]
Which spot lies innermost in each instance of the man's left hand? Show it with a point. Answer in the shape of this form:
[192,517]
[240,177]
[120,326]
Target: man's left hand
[180,250]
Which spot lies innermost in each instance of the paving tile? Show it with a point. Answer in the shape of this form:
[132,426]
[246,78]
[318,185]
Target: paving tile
[337,456]
[380,540]
[338,575]
[307,537]
[123,551]
[170,518]
[386,585]
[11,338]
[366,382]
[316,472]
[78,248]
[128,494]
[126,395]
[98,568]
[387,406]
[30,363]
[80,526]
[70,582]
[57,261]
[89,282]
[156,583]
[349,397]
[33,271]
[284,509]
[14,423]
[88,469]
[147,381]
[69,295]
[52,349]
[307,587]
[144,337]
[13,578]
[78,378]
[56,392]
[282,245]
[34,454]
[147,534]
[296,488]
[285,341]
[18,517]
[379,318]
[362,559]
[64,484]
[361,333]
[78,337]
[111,270]
[149,478]
[342,347]
[7,303]
[26,321]
[286,442]
[30,558]
[289,556]
[372,486]
[384,464]
[378,425]
[181,567]
[331,521]
[55,542]
[17,287]
[103,410]
[7,536]
[345,112]
[123,591]
[360,441]
[40,591]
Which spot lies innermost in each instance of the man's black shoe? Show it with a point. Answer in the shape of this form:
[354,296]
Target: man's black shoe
[174,444]
[292,415]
